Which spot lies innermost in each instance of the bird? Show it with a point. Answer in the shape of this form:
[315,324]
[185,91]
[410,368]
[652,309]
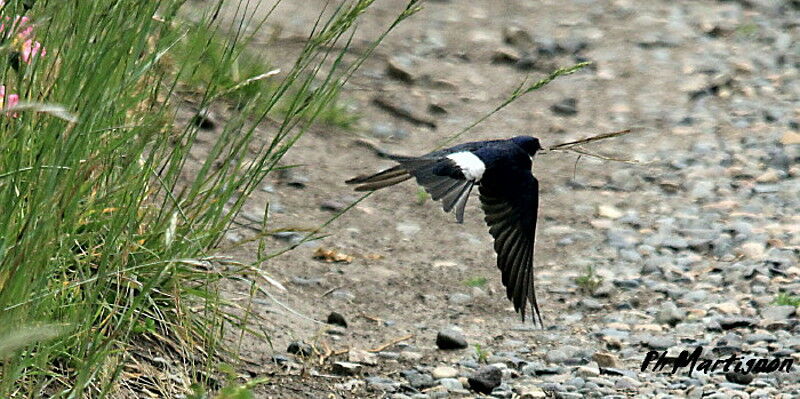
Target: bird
[509,196]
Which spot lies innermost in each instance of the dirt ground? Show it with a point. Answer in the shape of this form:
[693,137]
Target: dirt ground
[654,69]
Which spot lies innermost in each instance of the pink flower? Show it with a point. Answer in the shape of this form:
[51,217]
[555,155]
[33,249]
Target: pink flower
[30,49]
[13,100]
[22,41]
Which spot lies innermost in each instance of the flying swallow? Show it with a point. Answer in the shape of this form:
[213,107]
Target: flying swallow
[509,195]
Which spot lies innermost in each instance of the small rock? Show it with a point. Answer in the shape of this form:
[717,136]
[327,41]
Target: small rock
[739,378]
[609,211]
[402,69]
[362,357]
[459,298]
[516,36]
[670,314]
[418,380]
[450,339]
[451,384]
[778,312]
[205,119]
[306,281]
[346,368]
[506,55]
[408,229]
[790,138]
[292,237]
[332,205]
[382,384]
[233,237]
[336,318]
[606,359]
[556,356]
[538,368]
[444,372]
[300,348]
[586,371]
[410,356]
[727,307]
[531,392]
[752,250]
[293,178]
[591,304]
[660,342]
[566,107]
[729,323]
[486,379]
[770,176]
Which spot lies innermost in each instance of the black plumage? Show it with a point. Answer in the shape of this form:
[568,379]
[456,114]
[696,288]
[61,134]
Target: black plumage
[509,195]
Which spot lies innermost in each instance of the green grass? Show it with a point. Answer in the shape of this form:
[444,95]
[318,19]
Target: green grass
[103,244]
[246,79]
[786,299]
[589,281]
[481,354]
[422,196]
[476,282]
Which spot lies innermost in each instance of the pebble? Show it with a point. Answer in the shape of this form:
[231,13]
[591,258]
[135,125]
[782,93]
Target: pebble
[336,318]
[205,119]
[451,384]
[450,339]
[556,356]
[728,323]
[659,342]
[346,368]
[531,392]
[444,372]
[459,298]
[609,211]
[403,68]
[417,380]
[300,348]
[566,107]
[585,371]
[332,205]
[408,229]
[606,359]
[362,357]
[670,314]
[778,312]
[485,379]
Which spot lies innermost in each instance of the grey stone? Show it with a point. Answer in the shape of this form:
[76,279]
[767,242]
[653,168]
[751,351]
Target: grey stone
[669,313]
[336,318]
[759,337]
[418,380]
[297,280]
[565,107]
[459,298]
[485,379]
[300,348]
[659,342]
[452,384]
[591,304]
[538,368]
[728,323]
[450,339]
[347,368]
[778,312]
[556,356]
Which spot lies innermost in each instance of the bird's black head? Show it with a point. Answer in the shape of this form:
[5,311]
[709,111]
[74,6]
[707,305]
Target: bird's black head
[528,143]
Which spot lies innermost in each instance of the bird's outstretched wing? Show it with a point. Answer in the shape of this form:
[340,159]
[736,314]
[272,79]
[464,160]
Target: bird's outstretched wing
[511,215]
[440,176]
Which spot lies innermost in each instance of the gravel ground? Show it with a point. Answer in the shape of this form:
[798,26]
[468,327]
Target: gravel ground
[691,247]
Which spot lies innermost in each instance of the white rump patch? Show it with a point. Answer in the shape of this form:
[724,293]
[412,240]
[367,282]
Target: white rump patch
[471,166]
